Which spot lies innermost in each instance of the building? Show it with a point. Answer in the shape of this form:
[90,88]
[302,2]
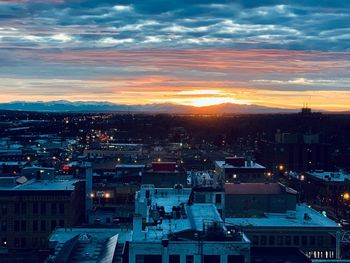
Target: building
[115,150]
[296,152]
[112,202]
[127,173]
[302,228]
[164,174]
[29,211]
[330,190]
[168,229]
[86,245]
[271,217]
[239,169]
[254,199]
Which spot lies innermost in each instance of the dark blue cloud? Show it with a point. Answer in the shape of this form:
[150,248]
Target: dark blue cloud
[305,25]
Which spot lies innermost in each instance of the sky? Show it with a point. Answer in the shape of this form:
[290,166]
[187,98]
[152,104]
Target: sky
[261,52]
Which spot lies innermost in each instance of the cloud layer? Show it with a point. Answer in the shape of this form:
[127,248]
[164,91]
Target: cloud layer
[133,52]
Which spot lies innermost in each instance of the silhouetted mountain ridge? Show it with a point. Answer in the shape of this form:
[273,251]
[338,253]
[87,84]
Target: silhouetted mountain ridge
[96,106]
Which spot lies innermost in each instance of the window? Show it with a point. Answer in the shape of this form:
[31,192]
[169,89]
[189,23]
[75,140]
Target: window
[35,242]
[304,240]
[17,242]
[24,209]
[43,208]
[174,259]
[53,224]
[271,240]
[23,225]
[53,209]
[212,259]
[296,240]
[235,259]
[255,240]
[148,259]
[61,208]
[189,259]
[3,209]
[23,242]
[17,207]
[16,226]
[35,208]
[61,223]
[279,240]
[3,226]
[218,198]
[312,241]
[42,225]
[319,240]
[288,240]
[263,240]
[35,225]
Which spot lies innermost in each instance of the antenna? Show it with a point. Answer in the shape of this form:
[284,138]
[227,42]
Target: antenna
[310,100]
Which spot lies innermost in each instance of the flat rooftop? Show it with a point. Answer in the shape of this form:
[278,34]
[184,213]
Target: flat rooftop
[62,235]
[168,197]
[130,166]
[200,213]
[339,176]
[197,215]
[43,185]
[315,219]
[247,165]
[88,245]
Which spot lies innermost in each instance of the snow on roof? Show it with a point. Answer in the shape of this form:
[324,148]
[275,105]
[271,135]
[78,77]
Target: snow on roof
[339,176]
[247,165]
[95,244]
[291,220]
[130,166]
[13,163]
[169,197]
[47,185]
[199,213]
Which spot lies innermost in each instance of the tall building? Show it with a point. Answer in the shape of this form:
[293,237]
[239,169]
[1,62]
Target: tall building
[167,228]
[240,169]
[30,210]
[295,152]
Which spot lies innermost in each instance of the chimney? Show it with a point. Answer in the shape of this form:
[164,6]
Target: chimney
[88,189]
[137,227]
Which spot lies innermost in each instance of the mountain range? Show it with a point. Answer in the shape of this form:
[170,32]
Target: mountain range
[95,106]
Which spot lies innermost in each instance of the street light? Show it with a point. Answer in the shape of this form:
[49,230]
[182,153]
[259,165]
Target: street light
[346,196]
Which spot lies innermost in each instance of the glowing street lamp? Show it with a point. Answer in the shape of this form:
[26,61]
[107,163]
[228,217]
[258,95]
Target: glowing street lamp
[346,196]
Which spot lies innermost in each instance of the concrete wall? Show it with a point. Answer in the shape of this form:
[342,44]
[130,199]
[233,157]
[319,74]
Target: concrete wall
[195,248]
[242,204]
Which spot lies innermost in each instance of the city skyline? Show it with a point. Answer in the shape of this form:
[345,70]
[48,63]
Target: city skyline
[269,53]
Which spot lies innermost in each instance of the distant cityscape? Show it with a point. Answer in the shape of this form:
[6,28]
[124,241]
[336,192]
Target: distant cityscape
[108,187]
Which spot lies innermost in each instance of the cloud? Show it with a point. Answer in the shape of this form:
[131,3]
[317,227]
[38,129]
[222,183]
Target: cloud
[122,8]
[264,48]
[176,24]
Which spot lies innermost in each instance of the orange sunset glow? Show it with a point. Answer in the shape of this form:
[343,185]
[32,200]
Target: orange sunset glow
[198,62]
